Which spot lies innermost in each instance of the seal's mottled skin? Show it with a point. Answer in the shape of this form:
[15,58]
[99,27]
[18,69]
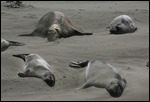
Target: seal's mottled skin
[36,66]
[55,25]
[102,75]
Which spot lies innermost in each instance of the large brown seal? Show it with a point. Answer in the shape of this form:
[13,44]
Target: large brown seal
[101,75]
[54,25]
[122,24]
[36,66]
[6,43]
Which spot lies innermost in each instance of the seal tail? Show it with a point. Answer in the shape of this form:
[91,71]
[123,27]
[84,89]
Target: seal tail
[22,56]
[14,43]
[79,64]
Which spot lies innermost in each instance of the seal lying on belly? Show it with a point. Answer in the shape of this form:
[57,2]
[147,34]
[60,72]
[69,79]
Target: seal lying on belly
[54,25]
[101,75]
[5,44]
[121,25]
[36,66]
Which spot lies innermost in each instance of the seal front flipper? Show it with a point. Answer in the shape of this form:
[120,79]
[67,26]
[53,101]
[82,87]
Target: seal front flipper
[27,73]
[84,86]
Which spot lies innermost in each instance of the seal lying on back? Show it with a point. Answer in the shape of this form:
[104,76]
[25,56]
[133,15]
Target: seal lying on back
[36,66]
[101,75]
[122,24]
[5,44]
[54,25]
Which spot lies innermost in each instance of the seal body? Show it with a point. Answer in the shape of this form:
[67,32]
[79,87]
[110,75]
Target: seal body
[55,25]
[102,75]
[122,24]
[36,66]
[5,44]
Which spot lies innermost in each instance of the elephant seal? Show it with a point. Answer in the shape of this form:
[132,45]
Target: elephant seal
[55,25]
[121,25]
[101,75]
[5,44]
[36,66]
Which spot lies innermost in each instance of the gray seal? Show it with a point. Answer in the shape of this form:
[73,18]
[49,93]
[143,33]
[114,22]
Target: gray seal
[101,75]
[36,66]
[122,24]
[6,43]
[55,25]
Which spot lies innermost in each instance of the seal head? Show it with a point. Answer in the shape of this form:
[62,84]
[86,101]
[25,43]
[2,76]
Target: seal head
[49,78]
[115,88]
[53,32]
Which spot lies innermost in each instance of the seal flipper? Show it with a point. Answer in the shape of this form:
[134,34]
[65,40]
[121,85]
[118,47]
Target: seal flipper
[86,85]
[14,43]
[22,56]
[76,32]
[27,73]
[26,34]
[87,33]
[79,64]
[30,34]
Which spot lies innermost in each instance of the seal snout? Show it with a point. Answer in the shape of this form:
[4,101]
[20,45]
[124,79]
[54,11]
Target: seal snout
[50,80]
[52,35]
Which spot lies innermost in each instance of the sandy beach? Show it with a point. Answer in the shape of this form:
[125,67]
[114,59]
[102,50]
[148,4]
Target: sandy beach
[128,53]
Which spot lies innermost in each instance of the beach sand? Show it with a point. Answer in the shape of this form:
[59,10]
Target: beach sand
[128,53]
